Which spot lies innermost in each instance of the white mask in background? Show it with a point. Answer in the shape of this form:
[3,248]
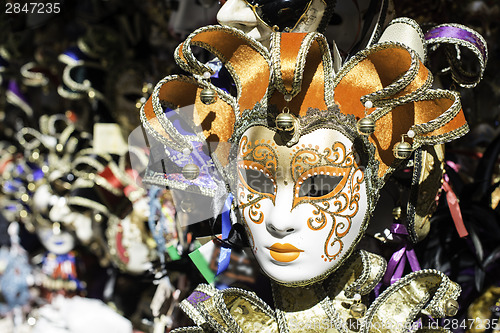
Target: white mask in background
[237,14]
[55,240]
[57,210]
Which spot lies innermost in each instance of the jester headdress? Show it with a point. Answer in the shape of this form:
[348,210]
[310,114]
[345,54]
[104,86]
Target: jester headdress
[386,84]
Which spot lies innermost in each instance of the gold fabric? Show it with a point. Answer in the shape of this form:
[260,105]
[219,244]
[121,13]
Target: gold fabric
[390,75]
[425,291]
[249,316]
[325,306]
[248,65]
[312,90]
[379,70]
[429,168]
[480,310]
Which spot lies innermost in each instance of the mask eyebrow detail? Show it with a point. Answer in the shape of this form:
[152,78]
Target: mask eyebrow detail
[259,153]
[257,165]
[330,169]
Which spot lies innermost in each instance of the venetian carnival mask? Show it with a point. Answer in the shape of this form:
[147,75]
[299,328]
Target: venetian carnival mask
[304,205]
[304,150]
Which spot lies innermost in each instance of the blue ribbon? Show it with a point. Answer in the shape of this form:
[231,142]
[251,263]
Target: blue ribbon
[225,250]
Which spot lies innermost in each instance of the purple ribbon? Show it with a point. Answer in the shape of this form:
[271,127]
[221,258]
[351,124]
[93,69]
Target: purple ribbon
[447,31]
[225,251]
[397,263]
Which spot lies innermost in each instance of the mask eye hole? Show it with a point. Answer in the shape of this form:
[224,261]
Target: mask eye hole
[257,180]
[319,186]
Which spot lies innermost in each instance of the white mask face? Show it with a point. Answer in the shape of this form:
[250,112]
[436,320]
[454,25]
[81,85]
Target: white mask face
[304,206]
[61,242]
[237,14]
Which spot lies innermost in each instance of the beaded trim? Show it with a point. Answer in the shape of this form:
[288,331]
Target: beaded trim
[192,310]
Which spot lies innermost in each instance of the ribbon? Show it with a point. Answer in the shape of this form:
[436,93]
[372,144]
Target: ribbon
[397,263]
[460,33]
[455,36]
[454,207]
[225,250]
[111,178]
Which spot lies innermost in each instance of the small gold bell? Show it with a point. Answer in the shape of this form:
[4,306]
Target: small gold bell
[402,150]
[285,121]
[357,310]
[451,307]
[208,96]
[190,171]
[366,126]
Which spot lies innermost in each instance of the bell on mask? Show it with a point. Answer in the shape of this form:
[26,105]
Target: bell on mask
[208,96]
[403,149]
[451,307]
[357,309]
[286,121]
[366,126]
[190,171]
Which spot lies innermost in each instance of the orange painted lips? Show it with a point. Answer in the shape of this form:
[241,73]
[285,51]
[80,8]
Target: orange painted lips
[284,252]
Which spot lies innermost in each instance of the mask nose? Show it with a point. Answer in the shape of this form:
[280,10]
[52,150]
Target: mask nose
[282,222]
[278,231]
